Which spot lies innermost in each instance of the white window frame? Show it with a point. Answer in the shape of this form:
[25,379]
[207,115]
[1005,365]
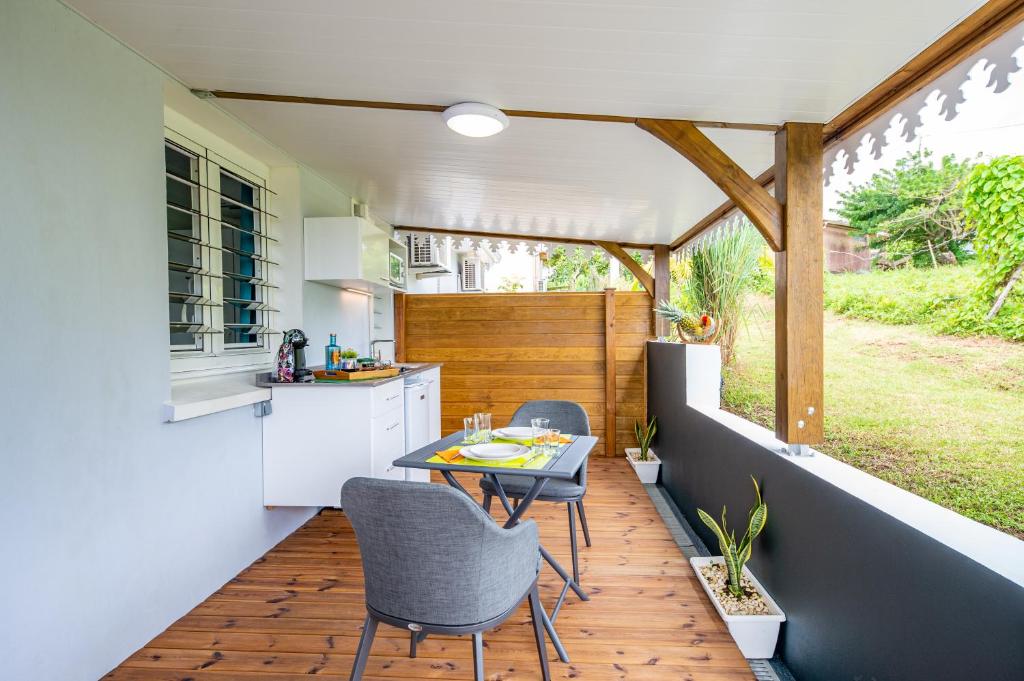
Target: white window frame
[218,357]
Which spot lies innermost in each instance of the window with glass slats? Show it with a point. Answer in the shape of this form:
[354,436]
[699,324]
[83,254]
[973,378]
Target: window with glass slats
[219,269]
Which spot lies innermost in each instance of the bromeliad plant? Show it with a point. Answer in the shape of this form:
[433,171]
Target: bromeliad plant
[644,435]
[737,555]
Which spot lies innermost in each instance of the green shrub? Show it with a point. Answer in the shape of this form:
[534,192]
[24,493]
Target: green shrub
[943,299]
[994,206]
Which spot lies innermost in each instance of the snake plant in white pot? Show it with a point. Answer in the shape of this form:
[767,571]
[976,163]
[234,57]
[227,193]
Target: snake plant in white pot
[643,460]
[750,613]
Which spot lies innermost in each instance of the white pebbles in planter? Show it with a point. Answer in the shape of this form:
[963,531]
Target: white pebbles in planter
[717,577]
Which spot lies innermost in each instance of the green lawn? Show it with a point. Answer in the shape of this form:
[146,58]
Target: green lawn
[942,417]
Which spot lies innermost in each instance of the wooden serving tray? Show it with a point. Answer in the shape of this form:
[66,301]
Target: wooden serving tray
[323,375]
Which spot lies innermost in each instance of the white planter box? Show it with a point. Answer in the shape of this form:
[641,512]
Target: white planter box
[647,471]
[756,635]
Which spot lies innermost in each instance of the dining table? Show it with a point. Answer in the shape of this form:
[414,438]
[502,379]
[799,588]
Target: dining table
[562,463]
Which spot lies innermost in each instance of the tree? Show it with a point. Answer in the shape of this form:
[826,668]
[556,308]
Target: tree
[575,270]
[510,284]
[913,213]
[994,205]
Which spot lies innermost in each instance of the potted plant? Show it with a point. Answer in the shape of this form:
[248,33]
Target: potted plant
[348,359]
[750,613]
[643,460]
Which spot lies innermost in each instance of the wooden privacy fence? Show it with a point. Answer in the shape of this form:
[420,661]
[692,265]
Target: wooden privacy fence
[500,350]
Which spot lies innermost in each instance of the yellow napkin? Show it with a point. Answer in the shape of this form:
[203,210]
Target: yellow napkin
[450,455]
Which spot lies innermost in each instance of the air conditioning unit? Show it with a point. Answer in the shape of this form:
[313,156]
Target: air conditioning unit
[429,256]
[472,275]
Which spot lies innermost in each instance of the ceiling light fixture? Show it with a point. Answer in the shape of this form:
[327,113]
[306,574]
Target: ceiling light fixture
[474,119]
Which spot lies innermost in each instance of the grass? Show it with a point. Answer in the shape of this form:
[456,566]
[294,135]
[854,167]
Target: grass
[939,416]
[942,299]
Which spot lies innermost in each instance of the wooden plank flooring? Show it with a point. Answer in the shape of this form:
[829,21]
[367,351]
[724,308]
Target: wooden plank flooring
[299,610]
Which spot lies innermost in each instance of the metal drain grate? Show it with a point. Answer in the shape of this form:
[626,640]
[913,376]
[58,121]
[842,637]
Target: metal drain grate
[763,670]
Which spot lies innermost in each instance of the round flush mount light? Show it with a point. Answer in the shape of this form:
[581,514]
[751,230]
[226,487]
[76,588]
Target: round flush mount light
[474,119]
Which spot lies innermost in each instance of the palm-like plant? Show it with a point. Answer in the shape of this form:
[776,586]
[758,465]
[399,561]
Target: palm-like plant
[737,555]
[721,272]
[644,435]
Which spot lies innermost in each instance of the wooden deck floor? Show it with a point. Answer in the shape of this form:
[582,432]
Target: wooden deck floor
[299,609]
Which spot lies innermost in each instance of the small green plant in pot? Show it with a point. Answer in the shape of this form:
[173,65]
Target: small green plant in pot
[644,435]
[642,458]
[749,612]
[737,554]
[348,359]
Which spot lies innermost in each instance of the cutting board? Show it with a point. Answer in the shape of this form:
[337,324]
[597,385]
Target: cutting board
[325,376]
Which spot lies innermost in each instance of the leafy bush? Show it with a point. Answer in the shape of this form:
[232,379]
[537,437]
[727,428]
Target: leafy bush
[994,205]
[942,299]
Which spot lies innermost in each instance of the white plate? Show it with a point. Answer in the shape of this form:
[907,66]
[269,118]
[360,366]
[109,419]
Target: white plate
[515,432]
[494,452]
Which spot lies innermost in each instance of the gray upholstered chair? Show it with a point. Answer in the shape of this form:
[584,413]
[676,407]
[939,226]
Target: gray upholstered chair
[434,562]
[567,417]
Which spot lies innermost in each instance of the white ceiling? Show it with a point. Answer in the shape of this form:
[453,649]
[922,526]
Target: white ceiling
[751,61]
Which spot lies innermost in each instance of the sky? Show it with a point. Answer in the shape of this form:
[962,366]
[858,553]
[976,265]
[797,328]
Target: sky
[987,123]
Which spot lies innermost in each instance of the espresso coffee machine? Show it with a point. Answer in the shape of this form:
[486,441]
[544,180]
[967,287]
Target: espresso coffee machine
[291,358]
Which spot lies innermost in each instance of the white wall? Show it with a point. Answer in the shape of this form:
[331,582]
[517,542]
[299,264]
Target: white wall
[327,309]
[113,523]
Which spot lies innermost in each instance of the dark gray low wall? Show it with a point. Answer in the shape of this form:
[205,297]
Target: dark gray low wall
[867,597]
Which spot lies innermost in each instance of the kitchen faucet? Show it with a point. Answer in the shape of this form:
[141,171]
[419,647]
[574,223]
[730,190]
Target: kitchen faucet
[380,340]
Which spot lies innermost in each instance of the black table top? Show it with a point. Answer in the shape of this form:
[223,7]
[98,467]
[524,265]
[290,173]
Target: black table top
[564,466]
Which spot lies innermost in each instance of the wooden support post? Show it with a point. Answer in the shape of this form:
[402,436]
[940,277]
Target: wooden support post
[609,372]
[799,283]
[662,279]
[619,253]
[400,346]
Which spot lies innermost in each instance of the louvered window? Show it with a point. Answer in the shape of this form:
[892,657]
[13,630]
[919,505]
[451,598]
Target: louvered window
[220,267]
[471,275]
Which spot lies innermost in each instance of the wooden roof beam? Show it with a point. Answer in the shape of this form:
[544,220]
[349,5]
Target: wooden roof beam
[620,254]
[746,192]
[438,108]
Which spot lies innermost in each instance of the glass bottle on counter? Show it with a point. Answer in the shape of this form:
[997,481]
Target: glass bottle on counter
[333,354]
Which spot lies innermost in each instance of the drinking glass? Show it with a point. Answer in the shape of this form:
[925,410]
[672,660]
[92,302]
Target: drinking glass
[483,426]
[469,430]
[554,439]
[540,431]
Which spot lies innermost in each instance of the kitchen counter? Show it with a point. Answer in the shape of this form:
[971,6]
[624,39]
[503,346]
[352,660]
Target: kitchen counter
[266,380]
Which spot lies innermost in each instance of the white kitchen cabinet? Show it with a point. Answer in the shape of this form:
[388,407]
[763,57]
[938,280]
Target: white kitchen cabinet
[433,376]
[423,418]
[318,436]
[346,252]
[315,439]
[387,434]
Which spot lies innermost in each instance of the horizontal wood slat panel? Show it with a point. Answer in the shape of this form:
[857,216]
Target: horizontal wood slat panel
[500,350]
[521,314]
[512,339]
[499,300]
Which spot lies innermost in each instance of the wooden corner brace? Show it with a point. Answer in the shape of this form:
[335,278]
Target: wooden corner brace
[746,192]
[620,254]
